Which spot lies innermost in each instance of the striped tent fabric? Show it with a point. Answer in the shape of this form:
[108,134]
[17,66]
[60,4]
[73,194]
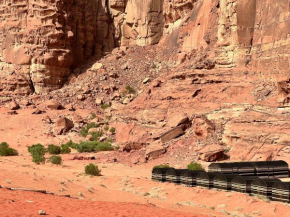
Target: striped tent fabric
[224,181]
[188,177]
[243,183]
[159,174]
[205,179]
[268,169]
[240,168]
[173,175]
[263,186]
[281,192]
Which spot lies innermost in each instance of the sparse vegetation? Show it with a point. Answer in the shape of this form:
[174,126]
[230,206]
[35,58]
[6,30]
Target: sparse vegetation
[92,169]
[54,149]
[105,106]
[130,90]
[37,152]
[106,127]
[194,166]
[65,149]
[154,66]
[96,135]
[93,146]
[93,116]
[113,130]
[54,159]
[161,166]
[85,130]
[5,150]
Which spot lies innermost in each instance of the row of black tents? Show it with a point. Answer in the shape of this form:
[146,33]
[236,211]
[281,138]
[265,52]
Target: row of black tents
[256,178]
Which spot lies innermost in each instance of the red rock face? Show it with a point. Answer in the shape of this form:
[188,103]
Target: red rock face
[43,40]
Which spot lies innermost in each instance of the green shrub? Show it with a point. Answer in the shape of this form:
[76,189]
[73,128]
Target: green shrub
[65,149]
[96,135]
[93,116]
[37,149]
[194,166]
[5,150]
[92,169]
[37,152]
[38,159]
[113,130]
[87,147]
[105,106]
[53,149]
[85,130]
[106,127]
[104,146]
[54,159]
[161,166]
[130,90]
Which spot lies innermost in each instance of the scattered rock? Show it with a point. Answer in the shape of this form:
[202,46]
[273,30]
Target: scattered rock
[146,80]
[41,212]
[103,138]
[172,134]
[211,153]
[62,126]
[12,105]
[12,113]
[81,97]
[51,104]
[155,150]
[97,66]
[37,112]
[99,101]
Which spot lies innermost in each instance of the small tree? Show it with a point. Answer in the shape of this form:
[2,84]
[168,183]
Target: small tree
[5,150]
[53,149]
[92,169]
[194,166]
[37,152]
[161,166]
[55,159]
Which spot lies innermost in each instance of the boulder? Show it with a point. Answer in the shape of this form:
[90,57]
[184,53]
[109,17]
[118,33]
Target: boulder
[99,101]
[54,105]
[211,153]
[12,105]
[172,134]
[62,126]
[131,146]
[155,150]
[97,66]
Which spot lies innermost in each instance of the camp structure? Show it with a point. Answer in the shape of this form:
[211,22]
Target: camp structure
[240,168]
[263,186]
[281,192]
[159,174]
[188,177]
[268,169]
[173,175]
[224,181]
[205,179]
[243,183]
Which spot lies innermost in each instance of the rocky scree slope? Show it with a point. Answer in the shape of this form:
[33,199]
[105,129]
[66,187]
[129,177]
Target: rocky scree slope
[215,84]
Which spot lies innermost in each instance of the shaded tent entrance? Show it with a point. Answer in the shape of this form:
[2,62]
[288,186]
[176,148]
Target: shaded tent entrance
[188,177]
[243,183]
[263,187]
[205,179]
[173,175]
[159,174]
[281,192]
[224,181]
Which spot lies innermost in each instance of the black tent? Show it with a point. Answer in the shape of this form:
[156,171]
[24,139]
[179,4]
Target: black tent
[240,168]
[159,174]
[267,169]
[188,177]
[243,183]
[263,187]
[224,181]
[205,179]
[173,175]
[281,192]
